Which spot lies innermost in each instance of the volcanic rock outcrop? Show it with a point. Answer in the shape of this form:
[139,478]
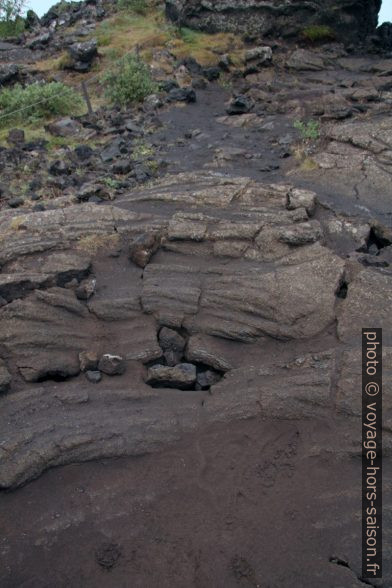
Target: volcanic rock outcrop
[350,20]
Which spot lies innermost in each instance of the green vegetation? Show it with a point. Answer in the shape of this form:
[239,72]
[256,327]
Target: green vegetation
[318,33]
[310,130]
[129,81]
[11,21]
[137,6]
[39,102]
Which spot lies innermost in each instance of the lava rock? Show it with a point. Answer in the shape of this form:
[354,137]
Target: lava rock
[112,365]
[60,168]
[170,340]
[86,289]
[207,379]
[88,361]
[83,55]
[122,167]
[115,149]
[15,202]
[182,376]
[92,189]
[65,127]
[351,22]
[212,73]
[240,105]
[40,42]
[260,54]
[143,247]
[182,95]
[94,376]
[84,152]
[8,73]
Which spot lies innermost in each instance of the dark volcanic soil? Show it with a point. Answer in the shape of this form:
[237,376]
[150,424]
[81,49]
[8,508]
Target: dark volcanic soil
[246,505]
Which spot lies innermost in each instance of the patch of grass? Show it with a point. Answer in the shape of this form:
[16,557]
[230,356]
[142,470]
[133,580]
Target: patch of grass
[111,183]
[310,130]
[128,81]
[318,33]
[39,102]
[137,6]
[93,243]
[142,149]
[55,63]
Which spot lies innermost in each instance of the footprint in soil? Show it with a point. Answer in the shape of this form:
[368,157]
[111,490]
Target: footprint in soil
[107,555]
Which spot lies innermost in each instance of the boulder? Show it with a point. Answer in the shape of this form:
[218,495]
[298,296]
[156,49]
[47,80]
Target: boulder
[65,127]
[8,73]
[82,55]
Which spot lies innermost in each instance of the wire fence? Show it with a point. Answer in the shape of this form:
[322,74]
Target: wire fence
[83,87]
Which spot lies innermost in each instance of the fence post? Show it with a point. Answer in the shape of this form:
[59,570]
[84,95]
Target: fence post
[87,98]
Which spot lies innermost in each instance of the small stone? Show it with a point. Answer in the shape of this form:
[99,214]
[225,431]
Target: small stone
[15,202]
[261,54]
[207,379]
[88,361]
[59,168]
[112,365]
[142,248]
[182,376]
[90,189]
[122,167]
[170,340]
[84,152]
[65,127]
[239,105]
[94,376]
[86,289]
[182,95]
[212,73]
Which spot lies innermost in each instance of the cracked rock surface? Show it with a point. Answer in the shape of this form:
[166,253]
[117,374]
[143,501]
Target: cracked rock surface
[186,345]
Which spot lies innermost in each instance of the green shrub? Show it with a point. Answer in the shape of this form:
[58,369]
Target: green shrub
[11,28]
[310,130]
[138,6]
[54,99]
[129,81]
[320,33]
[11,21]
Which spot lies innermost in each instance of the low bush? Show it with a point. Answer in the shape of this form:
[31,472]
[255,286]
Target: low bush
[310,130]
[128,81]
[318,33]
[37,102]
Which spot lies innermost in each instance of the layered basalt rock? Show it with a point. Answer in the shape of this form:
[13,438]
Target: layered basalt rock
[351,20]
